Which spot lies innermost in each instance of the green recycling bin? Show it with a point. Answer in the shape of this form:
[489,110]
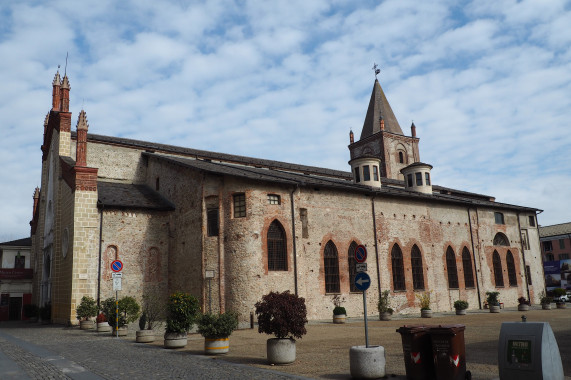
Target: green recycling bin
[417,351]
[449,352]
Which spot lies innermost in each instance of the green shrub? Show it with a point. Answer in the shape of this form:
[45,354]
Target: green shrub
[283,315]
[492,298]
[424,299]
[182,312]
[339,310]
[87,308]
[128,311]
[384,302]
[217,326]
[460,305]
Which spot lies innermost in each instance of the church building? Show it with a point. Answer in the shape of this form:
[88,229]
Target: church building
[229,229]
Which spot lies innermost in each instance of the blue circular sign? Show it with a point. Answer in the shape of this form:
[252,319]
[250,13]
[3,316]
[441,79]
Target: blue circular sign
[117,266]
[362,281]
[360,254]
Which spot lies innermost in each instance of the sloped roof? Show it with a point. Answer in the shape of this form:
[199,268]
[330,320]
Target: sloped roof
[25,242]
[555,230]
[127,195]
[379,107]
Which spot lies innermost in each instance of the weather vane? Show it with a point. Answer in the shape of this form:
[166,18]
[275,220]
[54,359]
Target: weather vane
[376,70]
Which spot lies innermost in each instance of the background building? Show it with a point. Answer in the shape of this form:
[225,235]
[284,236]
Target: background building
[15,278]
[172,214]
[555,250]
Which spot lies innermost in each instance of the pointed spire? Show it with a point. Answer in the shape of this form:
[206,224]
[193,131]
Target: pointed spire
[413,130]
[379,109]
[81,151]
[36,199]
[56,92]
[65,94]
[351,137]
[65,83]
[57,80]
[82,121]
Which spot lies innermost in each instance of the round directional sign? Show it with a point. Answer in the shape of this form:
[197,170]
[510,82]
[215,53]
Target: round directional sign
[117,266]
[362,281]
[360,254]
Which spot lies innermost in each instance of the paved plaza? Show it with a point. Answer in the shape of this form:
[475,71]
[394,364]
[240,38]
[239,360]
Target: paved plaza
[35,351]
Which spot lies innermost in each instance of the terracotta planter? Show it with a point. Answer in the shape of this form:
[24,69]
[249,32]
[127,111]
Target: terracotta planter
[86,325]
[460,311]
[494,308]
[280,351]
[145,336]
[339,318]
[561,305]
[546,306]
[426,313]
[216,346]
[103,327]
[523,307]
[386,316]
[175,340]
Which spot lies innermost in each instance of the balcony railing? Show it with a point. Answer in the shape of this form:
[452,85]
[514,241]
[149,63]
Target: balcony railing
[16,274]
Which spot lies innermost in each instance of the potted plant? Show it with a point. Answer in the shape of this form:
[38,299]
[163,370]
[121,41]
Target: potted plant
[128,309]
[182,311]
[493,302]
[559,295]
[31,312]
[86,309]
[283,315]
[460,306]
[339,312]
[424,298]
[102,324]
[216,330]
[153,312]
[523,304]
[545,301]
[385,311]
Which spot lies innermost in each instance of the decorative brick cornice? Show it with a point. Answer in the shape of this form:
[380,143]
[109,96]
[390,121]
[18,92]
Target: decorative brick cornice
[78,177]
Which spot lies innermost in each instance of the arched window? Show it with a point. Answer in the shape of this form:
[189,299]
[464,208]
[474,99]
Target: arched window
[401,157]
[498,275]
[398,268]
[153,265]
[451,268]
[331,265]
[277,252]
[467,266]
[501,239]
[511,269]
[352,266]
[416,264]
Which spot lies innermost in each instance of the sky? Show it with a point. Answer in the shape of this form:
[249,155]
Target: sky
[486,82]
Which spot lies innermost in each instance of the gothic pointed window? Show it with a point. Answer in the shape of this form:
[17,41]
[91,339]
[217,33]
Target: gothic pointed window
[467,266]
[497,264]
[398,268]
[511,269]
[451,268]
[277,252]
[416,264]
[331,266]
[352,267]
[401,158]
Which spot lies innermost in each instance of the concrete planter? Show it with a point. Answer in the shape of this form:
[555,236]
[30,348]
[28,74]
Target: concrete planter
[385,316]
[494,309]
[546,306]
[561,305]
[523,307]
[216,346]
[339,318]
[367,362]
[122,331]
[280,351]
[460,311]
[86,325]
[426,313]
[175,340]
[103,327]
[145,336]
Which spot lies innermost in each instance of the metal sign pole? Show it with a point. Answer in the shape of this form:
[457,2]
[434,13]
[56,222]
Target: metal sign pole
[117,314]
[366,327]
[210,295]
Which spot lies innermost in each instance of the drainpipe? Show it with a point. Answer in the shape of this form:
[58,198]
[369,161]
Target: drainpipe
[474,255]
[99,266]
[376,246]
[293,239]
[523,257]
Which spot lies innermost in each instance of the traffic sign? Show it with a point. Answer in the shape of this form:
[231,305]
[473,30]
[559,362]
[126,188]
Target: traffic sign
[360,254]
[117,284]
[361,267]
[117,266]
[116,275]
[362,281]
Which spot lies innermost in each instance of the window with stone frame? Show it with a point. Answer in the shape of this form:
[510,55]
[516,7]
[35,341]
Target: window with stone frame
[19,261]
[532,220]
[409,180]
[547,246]
[239,205]
[451,268]
[418,176]
[277,247]
[528,273]
[212,221]
[366,173]
[357,174]
[375,173]
[499,218]
[498,274]
[331,267]
[561,243]
[512,277]
[467,267]
[397,268]
[274,199]
[524,239]
[427,178]
[501,239]
[416,264]
[401,157]
[352,266]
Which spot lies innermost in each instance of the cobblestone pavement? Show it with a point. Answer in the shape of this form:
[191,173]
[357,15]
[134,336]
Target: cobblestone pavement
[32,351]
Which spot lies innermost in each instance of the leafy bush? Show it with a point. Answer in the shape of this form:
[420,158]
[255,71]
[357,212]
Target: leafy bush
[283,315]
[108,309]
[523,301]
[182,311]
[101,318]
[143,321]
[384,302]
[460,305]
[545,300]
[424,299]
[558,292]
[128,310]
[217,326]
[339,310]
[87,308]
[31,310]
[492,298]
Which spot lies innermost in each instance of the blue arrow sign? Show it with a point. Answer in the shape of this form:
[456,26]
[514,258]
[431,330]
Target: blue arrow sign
[362,281]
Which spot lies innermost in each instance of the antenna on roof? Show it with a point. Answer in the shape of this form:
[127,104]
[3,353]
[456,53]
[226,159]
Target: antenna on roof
[65,70]
[376,69]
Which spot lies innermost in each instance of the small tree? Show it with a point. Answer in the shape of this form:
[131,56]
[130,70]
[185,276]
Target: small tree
[492,298]
[182,311]
[424,299]
[384,304]
[283,315]
[154,309]
[460,305]
[87,308]
[128,310]
[217,326]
